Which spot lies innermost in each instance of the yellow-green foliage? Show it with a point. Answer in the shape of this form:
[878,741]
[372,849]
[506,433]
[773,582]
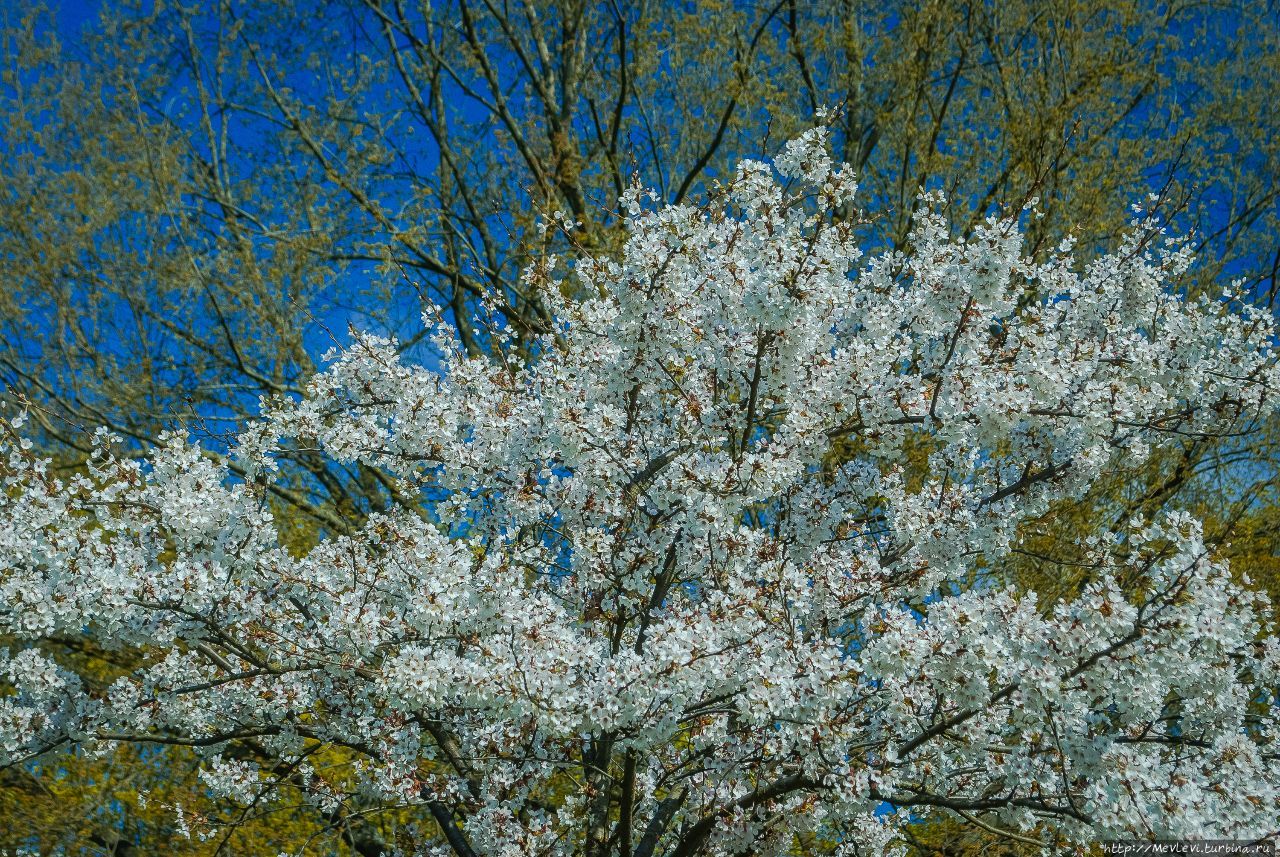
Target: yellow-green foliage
[166,268]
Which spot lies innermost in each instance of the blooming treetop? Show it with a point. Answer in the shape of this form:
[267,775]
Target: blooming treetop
[669,589]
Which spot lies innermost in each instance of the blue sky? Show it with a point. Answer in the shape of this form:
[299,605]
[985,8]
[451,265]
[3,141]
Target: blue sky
[73,15]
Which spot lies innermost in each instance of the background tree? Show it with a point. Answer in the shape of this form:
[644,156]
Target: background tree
[199,200]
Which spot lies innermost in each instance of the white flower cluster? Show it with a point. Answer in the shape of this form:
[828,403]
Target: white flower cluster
[671,587]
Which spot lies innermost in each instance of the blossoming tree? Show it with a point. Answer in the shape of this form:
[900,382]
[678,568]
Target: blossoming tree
[669,588]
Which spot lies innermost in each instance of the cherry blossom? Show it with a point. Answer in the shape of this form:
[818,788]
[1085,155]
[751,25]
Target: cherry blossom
[669,586]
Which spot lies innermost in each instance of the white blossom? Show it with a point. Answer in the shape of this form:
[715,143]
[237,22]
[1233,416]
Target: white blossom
[639,558]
